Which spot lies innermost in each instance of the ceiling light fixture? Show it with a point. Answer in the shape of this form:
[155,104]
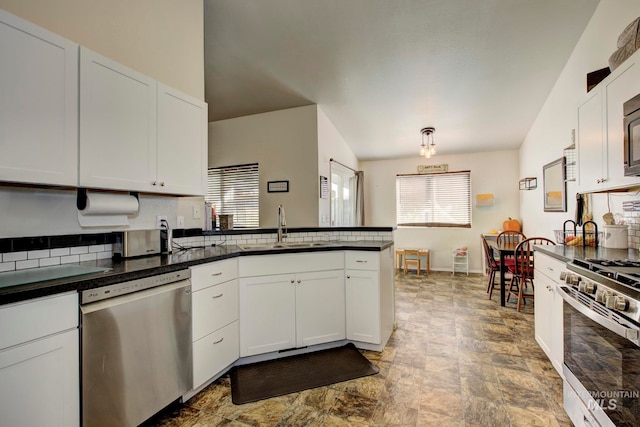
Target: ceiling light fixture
[428,149]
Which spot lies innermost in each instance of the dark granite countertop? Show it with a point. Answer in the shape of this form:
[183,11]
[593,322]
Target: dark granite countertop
[137,268]
[568,253]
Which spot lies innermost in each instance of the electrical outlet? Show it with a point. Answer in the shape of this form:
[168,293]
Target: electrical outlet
[180,222]
[159,219]
[196,212]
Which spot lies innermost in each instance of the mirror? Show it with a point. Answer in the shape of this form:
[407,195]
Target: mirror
[555,189]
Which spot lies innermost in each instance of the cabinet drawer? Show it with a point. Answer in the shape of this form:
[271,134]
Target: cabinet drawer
[214,307]
[203,276]
[549,266]
[290,263]
[29,320]
[362,260]
[214,352]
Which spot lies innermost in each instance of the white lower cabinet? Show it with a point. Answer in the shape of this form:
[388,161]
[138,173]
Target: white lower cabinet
[369,298]
[293,309]
[548,308]
[39,363]
[214,303]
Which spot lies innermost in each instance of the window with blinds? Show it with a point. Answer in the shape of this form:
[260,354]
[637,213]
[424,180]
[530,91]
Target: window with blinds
[235,190]
[434,200]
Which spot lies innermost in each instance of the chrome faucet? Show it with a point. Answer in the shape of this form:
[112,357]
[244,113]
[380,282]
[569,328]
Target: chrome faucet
[282,223]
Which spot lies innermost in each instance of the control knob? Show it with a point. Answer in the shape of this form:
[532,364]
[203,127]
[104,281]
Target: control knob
[587,287]
[602,295]
[571,279]
[617,303]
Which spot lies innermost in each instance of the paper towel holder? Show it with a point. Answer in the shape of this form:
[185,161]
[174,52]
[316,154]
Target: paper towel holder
[81,198]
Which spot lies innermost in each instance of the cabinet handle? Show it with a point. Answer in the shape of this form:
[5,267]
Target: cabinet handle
[162,184]
[348,277]
[216,274]
[154,182]
[299,280]
[550,269]
[217,296]
[361,260]
[219,341]
[292,281]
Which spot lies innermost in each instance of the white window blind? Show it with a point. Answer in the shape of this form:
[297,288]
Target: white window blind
[235,190]
[434,200]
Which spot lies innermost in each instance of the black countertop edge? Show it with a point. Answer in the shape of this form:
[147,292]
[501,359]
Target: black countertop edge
[240,231]
[568,253]
[139,268]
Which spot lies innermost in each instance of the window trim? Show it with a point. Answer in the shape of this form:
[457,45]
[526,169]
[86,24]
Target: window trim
[252,171]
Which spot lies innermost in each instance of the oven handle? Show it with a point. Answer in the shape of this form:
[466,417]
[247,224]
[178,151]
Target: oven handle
[630,333]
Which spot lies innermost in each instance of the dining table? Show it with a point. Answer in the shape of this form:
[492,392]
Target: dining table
[505,249]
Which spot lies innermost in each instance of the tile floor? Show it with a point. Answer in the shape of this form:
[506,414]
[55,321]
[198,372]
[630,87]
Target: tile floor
[456,359]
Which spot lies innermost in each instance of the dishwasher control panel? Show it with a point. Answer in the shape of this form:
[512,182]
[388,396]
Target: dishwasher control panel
[131,286]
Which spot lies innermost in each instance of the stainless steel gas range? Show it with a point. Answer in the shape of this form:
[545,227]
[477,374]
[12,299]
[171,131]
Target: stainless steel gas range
[601,319]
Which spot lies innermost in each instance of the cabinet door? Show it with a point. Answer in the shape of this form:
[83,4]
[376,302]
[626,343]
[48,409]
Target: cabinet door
[543,309]
[117,125]
[591,149]
[39,382]
[182,143]
[622,85]
[363,306]
[320,307]
[267,310]
[38,105]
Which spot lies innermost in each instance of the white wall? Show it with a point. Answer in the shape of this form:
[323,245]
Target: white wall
[160,38]
[552,129]
[330,145]
[492,172]
[285,145]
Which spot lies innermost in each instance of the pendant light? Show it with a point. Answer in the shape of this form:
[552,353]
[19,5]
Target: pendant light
[428,149]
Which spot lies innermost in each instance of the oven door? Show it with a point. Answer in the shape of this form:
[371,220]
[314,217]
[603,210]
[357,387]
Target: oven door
[602,362]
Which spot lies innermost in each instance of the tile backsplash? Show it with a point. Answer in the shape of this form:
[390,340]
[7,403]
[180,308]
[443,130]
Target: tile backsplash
[46,251]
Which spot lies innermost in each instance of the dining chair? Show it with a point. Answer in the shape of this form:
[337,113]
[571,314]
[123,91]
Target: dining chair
[492,266]
[510,237]
[522,269]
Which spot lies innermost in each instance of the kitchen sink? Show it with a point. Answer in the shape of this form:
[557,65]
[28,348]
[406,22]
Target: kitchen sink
[283,245]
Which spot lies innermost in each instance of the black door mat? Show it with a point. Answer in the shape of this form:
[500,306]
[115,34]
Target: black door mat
[272,378]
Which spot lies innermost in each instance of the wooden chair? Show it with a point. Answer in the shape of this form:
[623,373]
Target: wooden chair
[522,270]
[510,237]
[411,257]
[492,266]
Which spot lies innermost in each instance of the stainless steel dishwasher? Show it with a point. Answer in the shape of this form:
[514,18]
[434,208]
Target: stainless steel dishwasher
[136,348]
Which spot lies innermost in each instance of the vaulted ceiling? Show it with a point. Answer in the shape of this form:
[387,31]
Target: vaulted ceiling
[476,70]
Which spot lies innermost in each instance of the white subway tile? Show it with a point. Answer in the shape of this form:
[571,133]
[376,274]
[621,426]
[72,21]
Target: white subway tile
[104,255]
[96,248]
[23,265]
[45,262]
[7,266]
[41,253]
[79,250]
[59,252]
[14,256]
[88,257]
[69,259]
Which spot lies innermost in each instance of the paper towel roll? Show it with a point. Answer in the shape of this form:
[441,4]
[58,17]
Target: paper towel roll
[107,209]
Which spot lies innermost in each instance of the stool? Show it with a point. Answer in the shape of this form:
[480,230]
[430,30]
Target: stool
[460,257]
[427,257]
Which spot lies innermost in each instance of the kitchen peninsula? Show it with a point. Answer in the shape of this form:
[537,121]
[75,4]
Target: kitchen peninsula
[339,283]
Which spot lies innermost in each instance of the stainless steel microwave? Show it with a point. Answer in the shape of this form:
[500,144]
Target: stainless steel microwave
[631,110]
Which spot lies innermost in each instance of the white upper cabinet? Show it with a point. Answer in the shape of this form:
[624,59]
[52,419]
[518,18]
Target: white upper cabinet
[117,125]
[182,142]
[137,134]
[600,131]
[38,104]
